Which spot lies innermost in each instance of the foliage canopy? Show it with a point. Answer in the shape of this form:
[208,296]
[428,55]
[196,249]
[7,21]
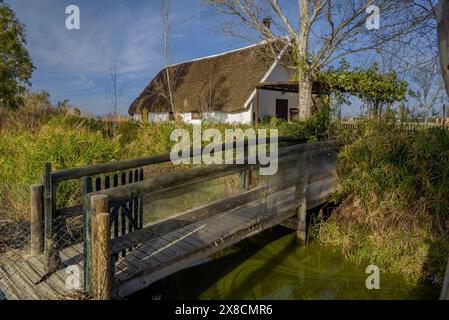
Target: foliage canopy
[16,67]
[376,89]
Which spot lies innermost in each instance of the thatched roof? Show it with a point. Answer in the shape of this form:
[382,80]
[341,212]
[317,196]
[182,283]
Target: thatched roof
[218,83]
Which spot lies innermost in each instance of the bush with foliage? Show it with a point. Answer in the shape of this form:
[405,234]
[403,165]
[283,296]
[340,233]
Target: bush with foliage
[393,188]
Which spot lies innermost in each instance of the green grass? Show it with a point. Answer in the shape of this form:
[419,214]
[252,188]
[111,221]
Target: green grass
[393,188]
[68,141]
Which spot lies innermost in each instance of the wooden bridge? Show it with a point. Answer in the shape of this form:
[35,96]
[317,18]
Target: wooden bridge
[119,253]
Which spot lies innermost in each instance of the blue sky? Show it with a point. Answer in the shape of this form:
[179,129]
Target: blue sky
[74,64]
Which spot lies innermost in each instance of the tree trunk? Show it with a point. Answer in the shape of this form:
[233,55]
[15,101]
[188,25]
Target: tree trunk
[443,41]
[305,97]
[304,73]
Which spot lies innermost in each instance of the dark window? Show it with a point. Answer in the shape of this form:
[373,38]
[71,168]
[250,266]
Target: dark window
[282,109]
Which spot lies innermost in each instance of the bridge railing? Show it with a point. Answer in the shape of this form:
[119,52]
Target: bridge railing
[102,208]
[49,231]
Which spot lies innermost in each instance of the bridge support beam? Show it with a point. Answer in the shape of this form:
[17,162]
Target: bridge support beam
[101,236]
[245,178]
[300,194]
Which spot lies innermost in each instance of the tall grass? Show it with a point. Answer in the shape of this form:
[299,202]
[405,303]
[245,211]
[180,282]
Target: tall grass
[394,187]
[39,133]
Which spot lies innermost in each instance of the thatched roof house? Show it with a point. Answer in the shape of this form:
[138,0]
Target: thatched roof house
[220,88]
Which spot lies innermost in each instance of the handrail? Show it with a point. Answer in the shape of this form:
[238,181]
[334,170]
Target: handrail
[76,173]
[146,186]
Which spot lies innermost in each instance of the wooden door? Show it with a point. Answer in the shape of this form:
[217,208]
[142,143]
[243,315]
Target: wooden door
[282,109]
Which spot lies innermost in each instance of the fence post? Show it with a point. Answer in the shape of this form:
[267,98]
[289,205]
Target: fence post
[246,175]
[101,235]
[49,203]
[37,219]
[300,194]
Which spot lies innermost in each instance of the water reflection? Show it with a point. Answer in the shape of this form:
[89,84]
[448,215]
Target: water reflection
[273,266]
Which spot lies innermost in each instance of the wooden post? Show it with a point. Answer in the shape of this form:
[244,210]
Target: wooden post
[37,219]
[48,208]
[246,175]
[257,108]
[144,115]
[300,192]
[101,235]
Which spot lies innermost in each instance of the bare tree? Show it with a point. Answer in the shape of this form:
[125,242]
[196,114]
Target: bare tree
[428,86]
[316,33]
[165,10]
[114,92]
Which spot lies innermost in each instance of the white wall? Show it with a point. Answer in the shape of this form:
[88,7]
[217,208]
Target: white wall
[244,117]
[216,116]
[280,73]
[267,102]
[158,116]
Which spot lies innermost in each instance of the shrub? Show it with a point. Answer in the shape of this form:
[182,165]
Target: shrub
[393,185]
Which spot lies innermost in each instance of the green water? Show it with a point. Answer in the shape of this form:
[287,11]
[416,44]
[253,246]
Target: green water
[273,266]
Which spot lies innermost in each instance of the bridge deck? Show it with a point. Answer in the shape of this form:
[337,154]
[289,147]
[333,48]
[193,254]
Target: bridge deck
[156,258]
[25,278]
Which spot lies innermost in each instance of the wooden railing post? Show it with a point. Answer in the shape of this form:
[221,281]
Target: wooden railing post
[37,219]
[300,193]
[101,235]
[246,175]
[48,208]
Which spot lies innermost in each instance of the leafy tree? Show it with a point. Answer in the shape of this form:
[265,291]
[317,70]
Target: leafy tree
[16,67]
[377,90]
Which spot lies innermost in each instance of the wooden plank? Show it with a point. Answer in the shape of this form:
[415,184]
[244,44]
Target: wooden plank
[76,173]
[180,220]
[142,280]
[6,291]
[54,281]
[18,285]
[158,183]
[42,290]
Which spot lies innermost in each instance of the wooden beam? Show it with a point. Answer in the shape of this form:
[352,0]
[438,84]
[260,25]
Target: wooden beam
[77,173]
[48,207]
[37,219]
[146,277]
[186,218]
[257,108]
[162,182]
[301,196]
[209,173]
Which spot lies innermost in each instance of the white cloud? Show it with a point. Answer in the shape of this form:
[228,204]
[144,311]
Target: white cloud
[72,63]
